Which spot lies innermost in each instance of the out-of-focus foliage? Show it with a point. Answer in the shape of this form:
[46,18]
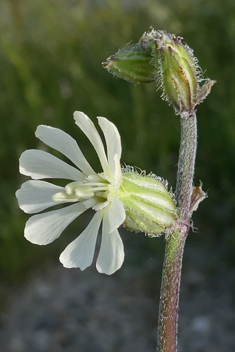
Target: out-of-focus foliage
[50,65]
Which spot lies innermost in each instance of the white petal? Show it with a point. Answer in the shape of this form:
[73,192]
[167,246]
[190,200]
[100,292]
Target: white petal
[112,139]
[65,144]
[35,196]
[88,128]
[111,255]
[117,173]
[117,214]
[45,228]
[90,203]
[80,252]
[39,164]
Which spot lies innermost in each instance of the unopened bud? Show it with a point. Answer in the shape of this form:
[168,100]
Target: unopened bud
[134,63]
[179,73]
[163,57]
[148,205]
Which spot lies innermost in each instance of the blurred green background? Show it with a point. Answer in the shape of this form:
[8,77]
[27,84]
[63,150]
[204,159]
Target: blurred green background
[50,65]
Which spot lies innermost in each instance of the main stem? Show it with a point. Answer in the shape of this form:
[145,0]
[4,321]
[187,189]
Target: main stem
[186,164]
[171,275]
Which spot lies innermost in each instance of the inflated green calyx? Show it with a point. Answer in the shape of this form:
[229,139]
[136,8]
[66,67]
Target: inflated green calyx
[149,206]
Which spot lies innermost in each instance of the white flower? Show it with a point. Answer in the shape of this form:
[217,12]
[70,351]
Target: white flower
[86,189]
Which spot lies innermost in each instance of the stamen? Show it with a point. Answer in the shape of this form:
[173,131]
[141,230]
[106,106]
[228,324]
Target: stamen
[84,193]
[64,197]
[94,184]
[70,188]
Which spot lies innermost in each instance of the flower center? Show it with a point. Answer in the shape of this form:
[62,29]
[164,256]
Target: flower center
[94,187]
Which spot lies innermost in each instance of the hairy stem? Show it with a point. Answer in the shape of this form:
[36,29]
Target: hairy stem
[169,297]
[171,275]
[187,156]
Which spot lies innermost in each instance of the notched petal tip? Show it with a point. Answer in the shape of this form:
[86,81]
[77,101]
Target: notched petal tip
[44,228]
[40,129]
[80,252]
[35,196]
[111,256]
[78,114]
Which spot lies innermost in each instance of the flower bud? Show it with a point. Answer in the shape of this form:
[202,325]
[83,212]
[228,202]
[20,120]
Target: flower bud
[148,205]
[133,63]
[163,57]
[179,73]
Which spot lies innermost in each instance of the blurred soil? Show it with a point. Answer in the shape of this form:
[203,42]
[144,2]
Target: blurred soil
[68,310]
